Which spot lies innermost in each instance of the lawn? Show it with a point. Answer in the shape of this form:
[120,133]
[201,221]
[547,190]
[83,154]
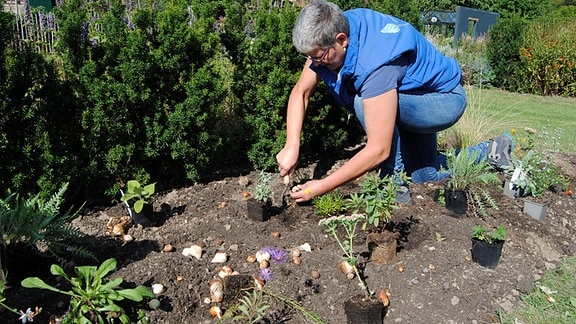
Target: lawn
[552,117]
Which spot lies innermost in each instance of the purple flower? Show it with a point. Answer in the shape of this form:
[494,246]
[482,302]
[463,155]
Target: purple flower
[266,274]
[277,255]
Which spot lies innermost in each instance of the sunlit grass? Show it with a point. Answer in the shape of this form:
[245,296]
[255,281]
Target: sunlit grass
[553,299]
[554,118]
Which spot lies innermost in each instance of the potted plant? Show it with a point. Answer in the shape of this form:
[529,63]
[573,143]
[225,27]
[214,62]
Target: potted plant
[377,200]
[532,175]
[520,170]
[258,205]
[468,174]
[362,308]
[487,246]
[137,200]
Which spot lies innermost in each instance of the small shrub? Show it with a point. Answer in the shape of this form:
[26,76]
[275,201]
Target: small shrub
[329,204]
[467,169]
[503,52]
[377,199]
[263,190]
[498,234]
[534,174]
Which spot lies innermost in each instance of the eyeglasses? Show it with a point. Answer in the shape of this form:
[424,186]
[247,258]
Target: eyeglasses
[317,59]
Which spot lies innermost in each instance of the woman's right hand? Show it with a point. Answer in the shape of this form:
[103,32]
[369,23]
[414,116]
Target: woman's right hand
[287,159]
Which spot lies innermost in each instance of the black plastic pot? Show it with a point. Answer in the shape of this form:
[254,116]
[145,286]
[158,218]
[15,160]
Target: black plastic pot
[486,254]
[257,210]
[365,310]
[456,200]
[143,217]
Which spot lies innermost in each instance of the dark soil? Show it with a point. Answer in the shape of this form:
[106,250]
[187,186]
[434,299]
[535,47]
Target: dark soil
[431,280]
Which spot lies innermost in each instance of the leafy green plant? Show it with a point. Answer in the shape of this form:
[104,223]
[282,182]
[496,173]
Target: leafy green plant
[137,195]
[496,235]
[468,169]
[349,223]
[92,298]
[377,199]
[471,173]
[534,174]
[441,199]
[39,224]
[252,308]
[329,204]
[263,190]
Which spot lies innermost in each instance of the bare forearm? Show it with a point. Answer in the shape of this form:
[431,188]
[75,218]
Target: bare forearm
[364,161]
[295,119]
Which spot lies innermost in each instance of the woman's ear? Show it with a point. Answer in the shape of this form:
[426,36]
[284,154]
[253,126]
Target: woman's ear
[342,39]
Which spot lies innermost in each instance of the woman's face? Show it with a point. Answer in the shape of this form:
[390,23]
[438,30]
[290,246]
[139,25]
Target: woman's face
[331,57]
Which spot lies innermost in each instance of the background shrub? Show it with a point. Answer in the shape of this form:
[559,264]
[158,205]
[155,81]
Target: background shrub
[503,52]
[547,53]
[182,91]
[170,92]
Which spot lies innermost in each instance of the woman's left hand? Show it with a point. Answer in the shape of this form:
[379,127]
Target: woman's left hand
[307,191]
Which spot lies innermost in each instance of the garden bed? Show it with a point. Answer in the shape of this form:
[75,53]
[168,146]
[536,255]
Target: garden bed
[432,279]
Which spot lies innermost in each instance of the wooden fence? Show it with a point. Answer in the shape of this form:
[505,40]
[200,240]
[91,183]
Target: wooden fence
[35,29]
[38,29]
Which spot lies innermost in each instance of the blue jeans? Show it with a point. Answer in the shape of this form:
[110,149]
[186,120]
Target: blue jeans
[421,115]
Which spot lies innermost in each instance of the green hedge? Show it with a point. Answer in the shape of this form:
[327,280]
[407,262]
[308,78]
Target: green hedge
[175,92]
[171,92]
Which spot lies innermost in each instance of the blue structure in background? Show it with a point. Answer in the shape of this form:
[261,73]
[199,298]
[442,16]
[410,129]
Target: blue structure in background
[473,22]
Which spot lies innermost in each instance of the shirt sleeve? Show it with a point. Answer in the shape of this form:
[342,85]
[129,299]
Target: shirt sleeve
[383,79]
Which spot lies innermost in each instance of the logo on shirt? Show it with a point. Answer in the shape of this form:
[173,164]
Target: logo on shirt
[390,29]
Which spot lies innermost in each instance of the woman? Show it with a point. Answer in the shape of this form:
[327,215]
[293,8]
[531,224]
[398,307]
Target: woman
[396,82]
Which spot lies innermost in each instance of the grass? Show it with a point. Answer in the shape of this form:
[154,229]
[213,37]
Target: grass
[552,117]
[553,300]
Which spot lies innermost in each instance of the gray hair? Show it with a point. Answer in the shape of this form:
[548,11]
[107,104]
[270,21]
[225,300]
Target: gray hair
[317,26]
